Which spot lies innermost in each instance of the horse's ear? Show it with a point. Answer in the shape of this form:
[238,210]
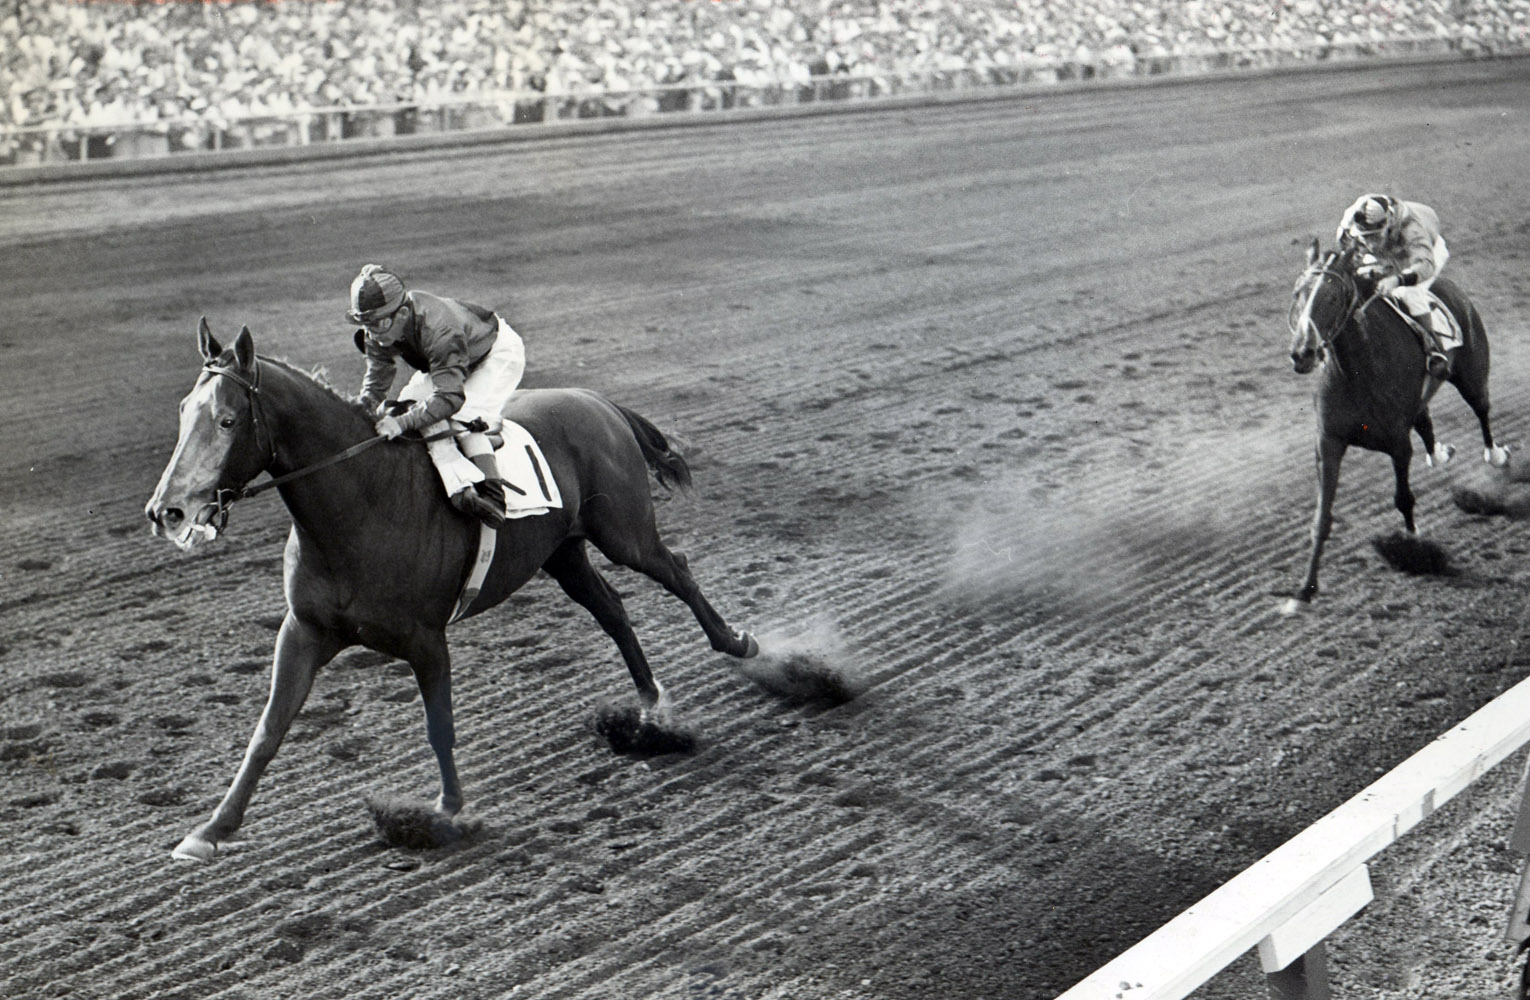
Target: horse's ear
[1314,251]
[244,348]
[206,342]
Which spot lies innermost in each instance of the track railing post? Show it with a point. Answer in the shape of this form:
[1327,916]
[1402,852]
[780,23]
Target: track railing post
[1518,931]
[1304,979]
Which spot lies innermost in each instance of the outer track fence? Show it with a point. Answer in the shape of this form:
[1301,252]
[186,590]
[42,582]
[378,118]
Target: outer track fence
[210,131]
[1286,904]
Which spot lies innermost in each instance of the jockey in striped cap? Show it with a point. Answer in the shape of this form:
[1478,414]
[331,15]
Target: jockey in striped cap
[468,361]
[1402,249]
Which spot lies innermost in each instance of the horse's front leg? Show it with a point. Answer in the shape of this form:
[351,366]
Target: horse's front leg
[301,650]
[1330,453]
[433,672]
[1403,495]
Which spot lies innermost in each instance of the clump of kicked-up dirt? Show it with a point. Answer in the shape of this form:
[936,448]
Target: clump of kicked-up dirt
[632,732]
[807,667]
[414,824]
[1413,555]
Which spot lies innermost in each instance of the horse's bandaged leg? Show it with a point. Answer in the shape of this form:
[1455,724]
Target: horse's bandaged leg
[457,470]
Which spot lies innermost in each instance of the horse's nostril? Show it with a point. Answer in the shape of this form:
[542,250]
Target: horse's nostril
[172,517]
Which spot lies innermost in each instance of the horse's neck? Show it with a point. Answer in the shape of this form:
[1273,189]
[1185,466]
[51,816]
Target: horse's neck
[309,424]
[1370,350]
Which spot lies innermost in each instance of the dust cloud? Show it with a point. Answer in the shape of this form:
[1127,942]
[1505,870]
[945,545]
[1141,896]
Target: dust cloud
[1048,542]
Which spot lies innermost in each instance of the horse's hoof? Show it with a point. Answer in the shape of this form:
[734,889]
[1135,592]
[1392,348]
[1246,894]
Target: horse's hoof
[661,711]
[1292,606]
[194,848]
[751,646]
[1440,455]
[1495,456]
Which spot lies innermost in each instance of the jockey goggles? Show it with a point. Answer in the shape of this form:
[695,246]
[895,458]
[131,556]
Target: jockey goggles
[373,323]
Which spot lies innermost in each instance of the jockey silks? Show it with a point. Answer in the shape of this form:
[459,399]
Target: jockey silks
[441,336]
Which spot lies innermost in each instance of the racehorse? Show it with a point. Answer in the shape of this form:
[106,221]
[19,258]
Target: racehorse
[376,556]
[1374,388]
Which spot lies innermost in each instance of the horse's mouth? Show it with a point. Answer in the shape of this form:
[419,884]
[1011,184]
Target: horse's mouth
[187,534]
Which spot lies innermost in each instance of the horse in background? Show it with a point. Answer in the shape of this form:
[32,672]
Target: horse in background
[377,557]
[1373,388]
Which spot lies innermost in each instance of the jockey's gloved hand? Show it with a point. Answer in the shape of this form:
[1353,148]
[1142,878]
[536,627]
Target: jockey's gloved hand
[1387,283]
[389,427]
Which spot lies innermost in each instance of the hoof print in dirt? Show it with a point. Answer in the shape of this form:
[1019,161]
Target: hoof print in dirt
[415,825]
[1413,555]
[628,732]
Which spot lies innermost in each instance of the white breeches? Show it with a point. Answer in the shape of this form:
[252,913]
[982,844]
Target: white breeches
[486,390]
[488,387]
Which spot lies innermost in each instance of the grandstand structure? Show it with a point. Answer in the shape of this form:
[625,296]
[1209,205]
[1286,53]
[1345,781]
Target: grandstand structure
[88,81]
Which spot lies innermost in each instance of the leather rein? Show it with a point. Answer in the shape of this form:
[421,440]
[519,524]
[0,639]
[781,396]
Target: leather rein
[227,497]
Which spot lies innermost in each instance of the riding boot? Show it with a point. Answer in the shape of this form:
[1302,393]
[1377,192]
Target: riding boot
[1443,344]
[486,501]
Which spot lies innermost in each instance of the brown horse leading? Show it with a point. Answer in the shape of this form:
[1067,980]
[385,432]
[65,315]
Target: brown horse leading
[376,556]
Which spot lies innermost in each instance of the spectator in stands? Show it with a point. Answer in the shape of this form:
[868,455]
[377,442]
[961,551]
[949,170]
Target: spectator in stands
[89,64]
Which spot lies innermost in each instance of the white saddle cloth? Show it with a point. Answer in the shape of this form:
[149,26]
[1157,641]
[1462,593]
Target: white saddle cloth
[529,484]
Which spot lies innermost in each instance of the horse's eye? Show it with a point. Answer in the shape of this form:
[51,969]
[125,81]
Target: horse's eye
[226,423]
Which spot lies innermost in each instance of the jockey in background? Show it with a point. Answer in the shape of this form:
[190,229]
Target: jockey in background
[468,363]
[1403,251]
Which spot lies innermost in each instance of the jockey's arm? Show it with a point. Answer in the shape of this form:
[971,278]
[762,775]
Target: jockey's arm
[448,371]
[379,376]
[1426,256]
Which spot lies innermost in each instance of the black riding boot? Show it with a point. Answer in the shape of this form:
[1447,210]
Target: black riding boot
[486,501]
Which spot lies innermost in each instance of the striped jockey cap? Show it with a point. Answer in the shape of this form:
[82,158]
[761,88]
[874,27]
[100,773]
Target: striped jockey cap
[1373,214]
[376,292]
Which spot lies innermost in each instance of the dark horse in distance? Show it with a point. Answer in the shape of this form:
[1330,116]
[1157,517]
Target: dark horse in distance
[1373,390]
[377,557]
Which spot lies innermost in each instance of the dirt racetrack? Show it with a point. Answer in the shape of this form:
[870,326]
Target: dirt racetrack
[988,405]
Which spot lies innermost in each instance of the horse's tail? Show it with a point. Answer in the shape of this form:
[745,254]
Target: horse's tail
[668,465]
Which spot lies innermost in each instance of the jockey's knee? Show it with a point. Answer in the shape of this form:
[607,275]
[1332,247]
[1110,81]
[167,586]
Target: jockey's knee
[473,445]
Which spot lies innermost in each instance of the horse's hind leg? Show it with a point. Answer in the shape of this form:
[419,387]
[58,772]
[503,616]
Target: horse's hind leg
[1434,453]
[570,566]
[1471,382]
[648,554]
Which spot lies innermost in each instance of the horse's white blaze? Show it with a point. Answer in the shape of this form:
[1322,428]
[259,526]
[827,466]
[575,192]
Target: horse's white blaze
[190,480]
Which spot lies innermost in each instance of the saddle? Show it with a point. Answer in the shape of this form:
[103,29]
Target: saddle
[1426,334]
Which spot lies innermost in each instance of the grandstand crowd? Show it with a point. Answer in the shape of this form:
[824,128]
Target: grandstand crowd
[239,71]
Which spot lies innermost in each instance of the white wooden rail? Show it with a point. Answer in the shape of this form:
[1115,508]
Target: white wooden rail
[1289,901]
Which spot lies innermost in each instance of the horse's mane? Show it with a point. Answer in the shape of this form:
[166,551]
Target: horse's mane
[318,376]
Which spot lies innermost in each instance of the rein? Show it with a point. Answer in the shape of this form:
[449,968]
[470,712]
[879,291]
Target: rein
[227,497]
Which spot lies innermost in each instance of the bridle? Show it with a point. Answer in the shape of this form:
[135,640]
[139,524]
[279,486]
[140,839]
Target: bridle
[226,497]
[1300,308]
